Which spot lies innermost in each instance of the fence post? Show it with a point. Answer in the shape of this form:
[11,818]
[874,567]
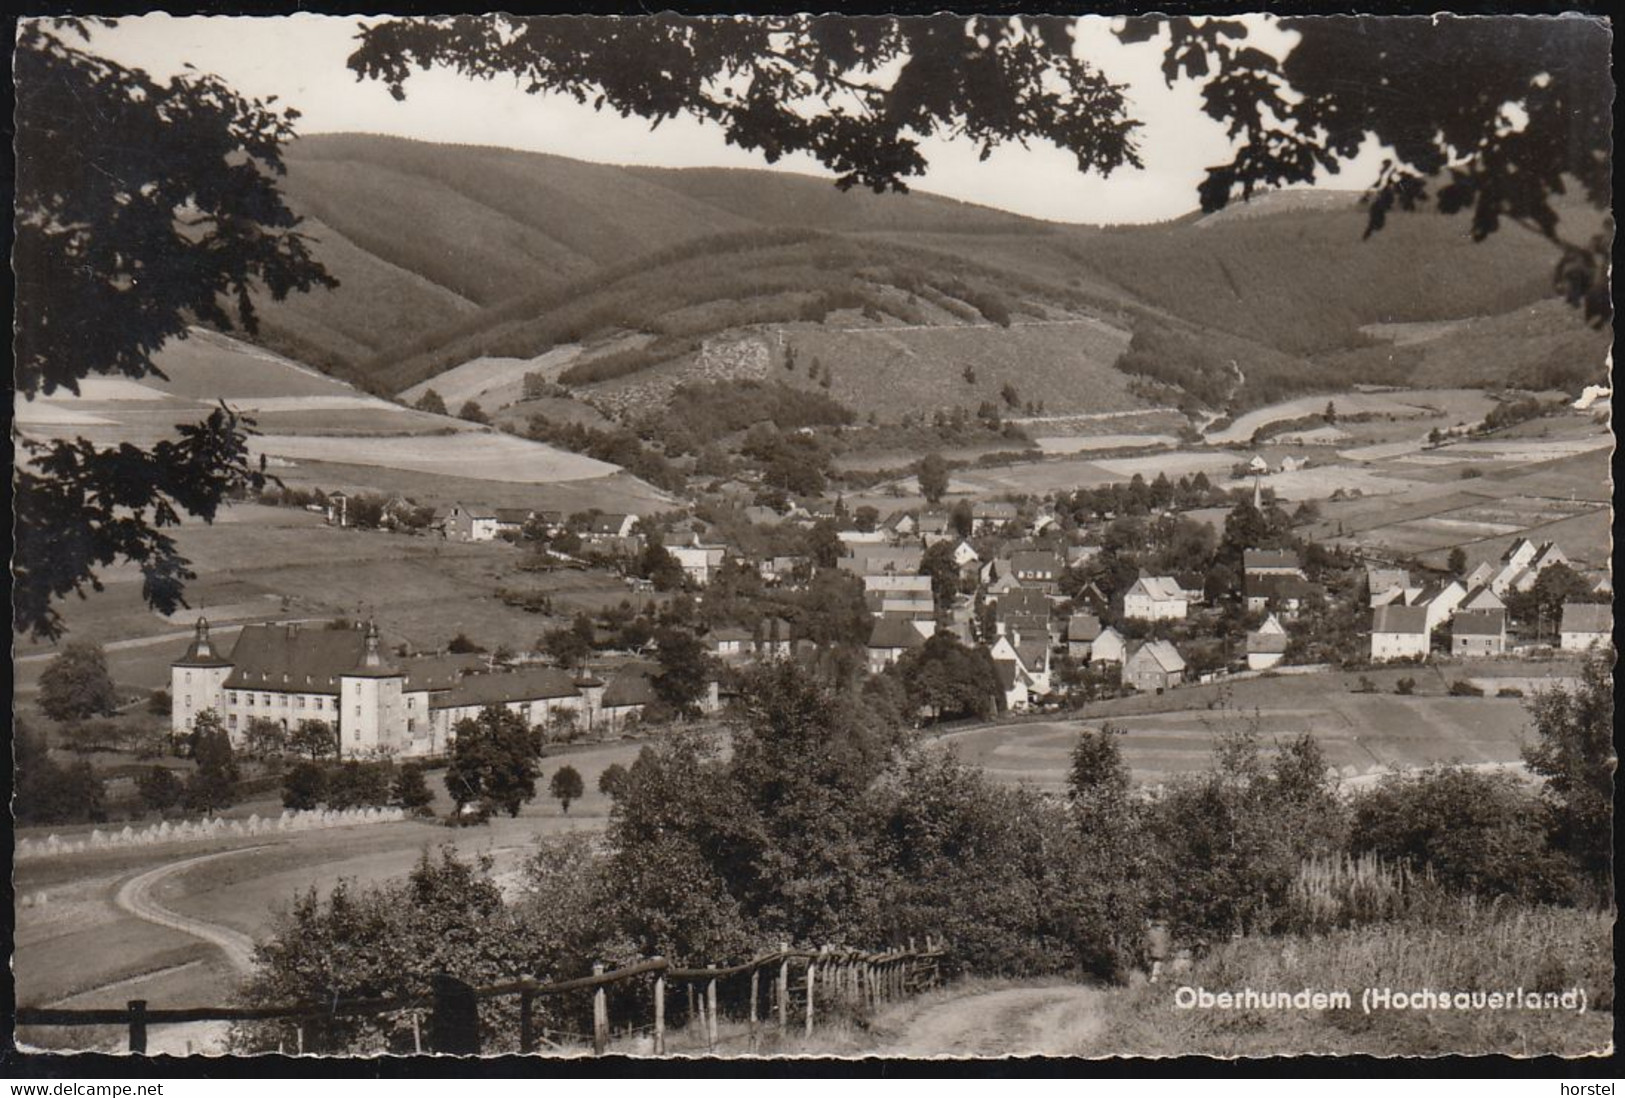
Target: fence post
[527,1035]
[417,1035]
[600,1014]
[812,982]
[711,1012]
[454,1019]
[755,985]
[138,1026]
[784,987]
[660,1014]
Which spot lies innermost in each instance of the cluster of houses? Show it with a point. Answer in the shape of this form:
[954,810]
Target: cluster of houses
[1406,612]
[381,706]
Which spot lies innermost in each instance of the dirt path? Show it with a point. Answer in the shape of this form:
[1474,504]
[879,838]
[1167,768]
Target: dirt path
[1029,1021]
[135,896]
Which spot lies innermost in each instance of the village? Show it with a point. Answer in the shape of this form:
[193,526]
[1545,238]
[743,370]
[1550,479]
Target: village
[1057,602]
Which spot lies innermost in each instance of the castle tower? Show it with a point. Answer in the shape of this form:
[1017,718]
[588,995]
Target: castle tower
[372,709]
[196,681]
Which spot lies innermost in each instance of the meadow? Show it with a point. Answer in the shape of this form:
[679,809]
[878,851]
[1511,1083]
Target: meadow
[75,943]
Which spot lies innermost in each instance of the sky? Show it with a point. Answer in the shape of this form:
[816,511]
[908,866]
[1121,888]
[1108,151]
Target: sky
[300,59]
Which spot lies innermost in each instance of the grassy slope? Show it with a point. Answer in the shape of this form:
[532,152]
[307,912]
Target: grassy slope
[451,252]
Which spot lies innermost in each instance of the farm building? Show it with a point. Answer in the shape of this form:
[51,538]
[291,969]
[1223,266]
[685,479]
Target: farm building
[1439,599]
[875,560]
[901,594]
[700,563]
[1108,647]
[1399,632]
[1586,625]
[611,526]
[1038,568]
[1154,666]
[1283,590]
[1266,645]
[891,637]
[1081,632]
[471,522]
[1155,598]
[991,516]
[1478,633]
[934,526]
[1271,562]
[730,643]
[1390,585]
[1481,598]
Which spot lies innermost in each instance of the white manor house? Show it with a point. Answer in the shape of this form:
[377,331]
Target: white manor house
[380,706]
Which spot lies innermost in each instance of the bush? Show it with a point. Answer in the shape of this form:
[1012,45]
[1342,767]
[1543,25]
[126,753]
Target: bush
[1405,686]
[1509,692]
[304,786]
[1461,688]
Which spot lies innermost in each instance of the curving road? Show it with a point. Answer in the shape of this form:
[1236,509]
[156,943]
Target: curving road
[135,896]
[1042,1021]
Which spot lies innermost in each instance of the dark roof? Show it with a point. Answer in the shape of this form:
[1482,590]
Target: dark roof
[1023,600]
[1399,619]
[1269,558]
[287,657]
[1479,623]
[1587,617]
[438,672]
[202,652]
[1277,586]
[1031,653]
[1037,560]
[730,633]
[892,632]
[500,687]
[1006,670]
[520,515]
[1082,627]
[630,685]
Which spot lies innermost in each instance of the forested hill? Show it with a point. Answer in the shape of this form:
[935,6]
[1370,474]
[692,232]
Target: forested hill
[447,253]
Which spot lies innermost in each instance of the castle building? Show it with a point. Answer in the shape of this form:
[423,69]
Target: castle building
[379,706]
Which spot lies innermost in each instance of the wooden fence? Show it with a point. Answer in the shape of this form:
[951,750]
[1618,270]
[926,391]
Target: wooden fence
[802,987]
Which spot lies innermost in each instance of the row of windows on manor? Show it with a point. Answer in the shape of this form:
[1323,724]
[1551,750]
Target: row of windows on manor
[301,701]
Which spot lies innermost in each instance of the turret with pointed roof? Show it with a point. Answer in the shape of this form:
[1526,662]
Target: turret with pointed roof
[201,652]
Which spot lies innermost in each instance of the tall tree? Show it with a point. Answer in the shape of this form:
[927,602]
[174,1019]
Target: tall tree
[685,670]
[494,761]
[1575,754]
[213,785]
[566,786]
[933,477]
[76,684]
[142,207]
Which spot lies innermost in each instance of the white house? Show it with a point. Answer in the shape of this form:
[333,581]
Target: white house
[471,522]
[700,563]
[1266,645]
[1390,585]
[965,555]
[1108,647]
[1479,598]
[1440,600]
[1586,625]
[1399,632]
[1155,598]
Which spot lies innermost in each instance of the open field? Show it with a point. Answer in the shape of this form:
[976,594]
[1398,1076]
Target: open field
[1362,734]
[481,456]
[74,942]
[274,564]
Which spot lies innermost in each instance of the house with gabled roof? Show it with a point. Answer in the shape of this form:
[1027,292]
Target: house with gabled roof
[1266,645]
[1284,590]
[903,594]
[891,637]
[1108,647]
[1031,662]
[1390,585]
[471,522]
[1481,598]
[700,563]
[1038,568]
[1271,562]
[991,515]
[1081,632]
[1153,667]
[1440,598]
[1586,625]
[1399,632]
[1155,598]
[1478,633]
